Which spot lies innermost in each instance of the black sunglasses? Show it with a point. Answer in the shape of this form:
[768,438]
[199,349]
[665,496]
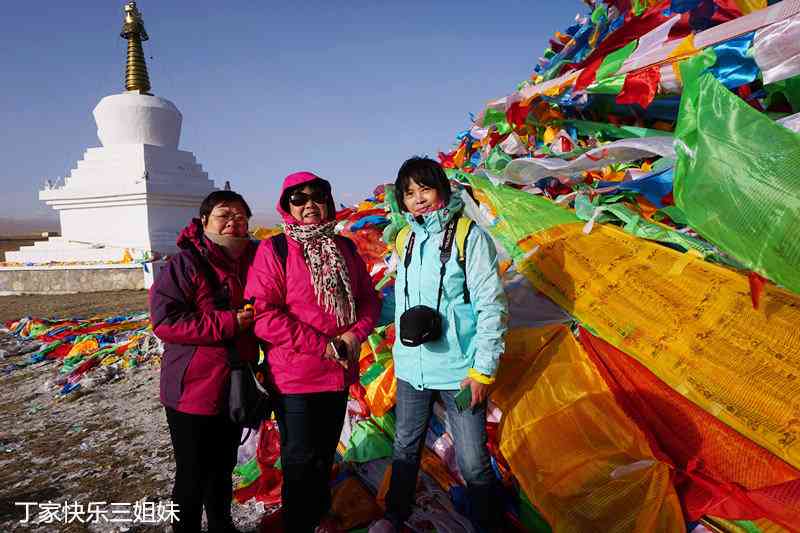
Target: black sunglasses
[300,198]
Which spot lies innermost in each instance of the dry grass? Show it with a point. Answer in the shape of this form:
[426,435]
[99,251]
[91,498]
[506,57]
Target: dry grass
[72,305]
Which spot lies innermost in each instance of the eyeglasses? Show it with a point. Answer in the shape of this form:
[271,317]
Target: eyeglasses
[238,218]
[300,198]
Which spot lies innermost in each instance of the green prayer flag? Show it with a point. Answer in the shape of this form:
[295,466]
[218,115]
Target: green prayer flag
[613,61]
[367,443]
[675,214]
[610,85]
[789,89]
[610,132]
[248,471]
[554,70]
[748,526]
[639,7]
[638,226]
[737,178]
[691,70]
[383,357]
[520,213]
[372,373]
[387,423]
[497,160]
[496,118]
[599,13]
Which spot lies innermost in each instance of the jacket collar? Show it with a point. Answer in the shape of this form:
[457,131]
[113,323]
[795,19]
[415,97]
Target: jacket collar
[193,236]
[436,221]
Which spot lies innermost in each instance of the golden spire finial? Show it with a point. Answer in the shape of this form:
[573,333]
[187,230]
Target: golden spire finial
[136,78]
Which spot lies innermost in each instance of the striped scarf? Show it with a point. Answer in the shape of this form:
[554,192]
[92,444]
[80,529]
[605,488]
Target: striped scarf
[329,274]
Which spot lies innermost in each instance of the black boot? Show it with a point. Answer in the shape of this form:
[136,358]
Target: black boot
[483,507]
[402,491]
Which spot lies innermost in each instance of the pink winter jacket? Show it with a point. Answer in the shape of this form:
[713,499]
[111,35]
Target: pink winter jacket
[288,318]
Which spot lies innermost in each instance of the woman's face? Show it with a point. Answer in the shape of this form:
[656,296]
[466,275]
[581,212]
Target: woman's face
[309,205]
[227,218]
[420,199]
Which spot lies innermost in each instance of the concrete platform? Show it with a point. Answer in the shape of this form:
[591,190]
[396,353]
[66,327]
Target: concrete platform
[63,279]
[60,249]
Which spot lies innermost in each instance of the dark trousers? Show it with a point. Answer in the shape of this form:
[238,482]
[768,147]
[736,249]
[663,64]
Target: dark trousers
[205,455]
[310,427]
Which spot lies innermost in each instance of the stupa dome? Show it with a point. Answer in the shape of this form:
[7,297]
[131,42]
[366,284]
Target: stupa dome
[135,118]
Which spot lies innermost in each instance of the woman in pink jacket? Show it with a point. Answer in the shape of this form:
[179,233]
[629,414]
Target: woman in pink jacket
[313,300]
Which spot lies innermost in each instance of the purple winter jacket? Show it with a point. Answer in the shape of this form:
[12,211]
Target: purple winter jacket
[194,368]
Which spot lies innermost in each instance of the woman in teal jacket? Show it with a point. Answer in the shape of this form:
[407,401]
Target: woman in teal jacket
[473,309]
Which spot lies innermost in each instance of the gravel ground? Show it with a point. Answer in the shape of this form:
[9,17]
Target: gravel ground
[103,443]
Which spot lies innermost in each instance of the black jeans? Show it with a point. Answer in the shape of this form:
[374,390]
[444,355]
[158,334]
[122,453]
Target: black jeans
[310,427]
[205,455]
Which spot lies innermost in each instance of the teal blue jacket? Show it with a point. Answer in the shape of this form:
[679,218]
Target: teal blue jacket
[473,333]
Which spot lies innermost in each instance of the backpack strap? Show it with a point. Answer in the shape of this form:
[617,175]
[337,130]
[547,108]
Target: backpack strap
[349,243]
[445,252]
[463,228]
[281,248]
[400,240]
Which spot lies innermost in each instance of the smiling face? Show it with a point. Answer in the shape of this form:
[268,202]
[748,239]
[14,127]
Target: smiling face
[420,199]
[227,218]
[309,205]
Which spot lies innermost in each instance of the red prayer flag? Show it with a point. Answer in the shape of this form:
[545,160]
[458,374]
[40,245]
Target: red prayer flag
[588,74]
[748,484]
[757,283]
[517,113]
[447,160]
[640,87]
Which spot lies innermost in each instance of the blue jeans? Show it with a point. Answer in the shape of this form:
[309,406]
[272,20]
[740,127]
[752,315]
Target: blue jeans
[413,411]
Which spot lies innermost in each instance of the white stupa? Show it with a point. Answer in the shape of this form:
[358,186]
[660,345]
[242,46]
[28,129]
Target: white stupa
[133,195]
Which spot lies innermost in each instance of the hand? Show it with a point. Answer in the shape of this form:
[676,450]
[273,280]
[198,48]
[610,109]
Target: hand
[353,347]
[244,319]
[479,391]
[330,353]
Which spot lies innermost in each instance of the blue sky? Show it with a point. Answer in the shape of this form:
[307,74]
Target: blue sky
[345,89]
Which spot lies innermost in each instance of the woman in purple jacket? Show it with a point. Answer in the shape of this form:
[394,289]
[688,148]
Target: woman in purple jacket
[195,316]
[310,294]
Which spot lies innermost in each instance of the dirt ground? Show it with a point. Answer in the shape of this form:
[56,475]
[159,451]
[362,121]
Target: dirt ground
[104,443]
[72,305]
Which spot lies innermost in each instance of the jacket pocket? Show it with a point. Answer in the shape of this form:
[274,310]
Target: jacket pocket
[463,328]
